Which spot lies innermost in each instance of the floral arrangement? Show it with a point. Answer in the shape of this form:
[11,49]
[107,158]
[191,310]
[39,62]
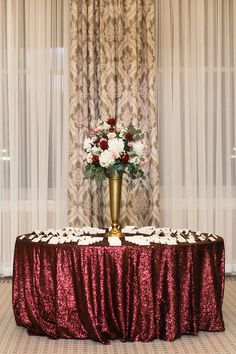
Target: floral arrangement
[112,148]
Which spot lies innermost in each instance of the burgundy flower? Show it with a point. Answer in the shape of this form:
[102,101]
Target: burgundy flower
[111,130]
[95,159]
[128,136]
[111,121]
[103,144]
[125,158]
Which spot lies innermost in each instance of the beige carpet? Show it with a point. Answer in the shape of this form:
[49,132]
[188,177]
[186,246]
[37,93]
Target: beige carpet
[15,339]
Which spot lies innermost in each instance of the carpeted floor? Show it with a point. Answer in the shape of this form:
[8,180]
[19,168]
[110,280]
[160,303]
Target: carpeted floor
[15,339]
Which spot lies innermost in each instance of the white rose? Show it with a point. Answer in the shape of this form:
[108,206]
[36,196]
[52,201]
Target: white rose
[111,135]
[88,144]
[135,160]
[106,158]
[116,145]
[138,148]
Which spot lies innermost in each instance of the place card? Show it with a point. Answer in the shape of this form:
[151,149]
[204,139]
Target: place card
[142,240]
[68,238]
[167,235]
[88,229]
[21,237]
[181,240]
[101,232]
[127,228]
[143,229]
[138,240]
[190,240]
[212,235]
[78,231]
[31,237]
[130,232]
[154,238]
[147,232]
[88,240]
[163,240]
[62,239]
[114,241]
[211,238]
[74,238]
[130,239]
[202,238]
[92,232]
[171,242]
[45,239]
[143,243]
[37,239]
[54,240]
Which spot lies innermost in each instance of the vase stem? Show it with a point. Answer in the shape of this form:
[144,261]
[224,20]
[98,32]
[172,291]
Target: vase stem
[115,186]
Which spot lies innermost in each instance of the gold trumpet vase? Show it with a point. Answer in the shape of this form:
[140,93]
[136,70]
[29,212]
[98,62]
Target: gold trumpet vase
[115,185]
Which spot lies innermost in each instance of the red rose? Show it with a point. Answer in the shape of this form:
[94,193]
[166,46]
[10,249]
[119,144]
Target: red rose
[103,144]
[111,121]
[128,136]
[125,158]
[95,159]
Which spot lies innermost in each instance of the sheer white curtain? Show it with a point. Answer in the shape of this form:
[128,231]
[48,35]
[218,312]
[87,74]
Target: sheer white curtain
[196,44]
[33,119]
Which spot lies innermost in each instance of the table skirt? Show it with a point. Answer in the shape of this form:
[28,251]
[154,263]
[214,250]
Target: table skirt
[135,293]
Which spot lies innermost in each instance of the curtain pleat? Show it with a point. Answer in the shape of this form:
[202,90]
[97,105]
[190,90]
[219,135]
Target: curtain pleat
[33,119]
[112,73]
[196,108]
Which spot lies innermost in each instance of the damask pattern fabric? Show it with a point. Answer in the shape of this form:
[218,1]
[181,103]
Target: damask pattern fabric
[112,73]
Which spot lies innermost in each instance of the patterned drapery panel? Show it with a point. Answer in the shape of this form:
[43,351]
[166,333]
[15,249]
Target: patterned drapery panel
[112,73]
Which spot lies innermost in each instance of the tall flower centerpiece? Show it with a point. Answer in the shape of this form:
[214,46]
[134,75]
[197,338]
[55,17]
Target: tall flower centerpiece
[110,152]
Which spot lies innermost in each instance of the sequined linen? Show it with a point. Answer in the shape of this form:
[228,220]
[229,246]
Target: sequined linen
[129,292]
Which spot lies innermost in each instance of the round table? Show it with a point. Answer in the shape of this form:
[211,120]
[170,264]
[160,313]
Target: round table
[130,292]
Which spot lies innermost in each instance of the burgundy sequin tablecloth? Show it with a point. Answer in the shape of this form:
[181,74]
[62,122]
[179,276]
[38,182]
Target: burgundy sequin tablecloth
[129,292]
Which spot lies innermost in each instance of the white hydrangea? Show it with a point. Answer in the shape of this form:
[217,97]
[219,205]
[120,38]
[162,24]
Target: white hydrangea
[138,148]
[106,159]
[116,145]
[95,150]
[88,144]
[89,158]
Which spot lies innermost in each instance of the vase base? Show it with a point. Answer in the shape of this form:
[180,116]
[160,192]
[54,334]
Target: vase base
[114,233]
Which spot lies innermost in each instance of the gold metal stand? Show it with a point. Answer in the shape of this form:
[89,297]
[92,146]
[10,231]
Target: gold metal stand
[115,185]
